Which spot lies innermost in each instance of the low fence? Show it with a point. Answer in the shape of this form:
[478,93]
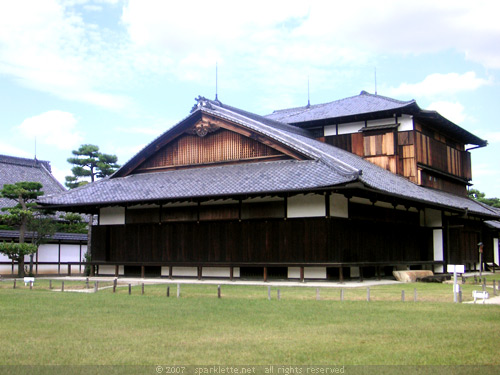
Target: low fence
[264,270]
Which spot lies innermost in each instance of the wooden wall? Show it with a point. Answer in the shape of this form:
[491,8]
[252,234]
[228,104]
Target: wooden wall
[220,146]
[305,240]
[408,151]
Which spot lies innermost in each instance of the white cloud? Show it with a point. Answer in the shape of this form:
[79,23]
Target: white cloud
[50,48]
[55,128]
[437,84]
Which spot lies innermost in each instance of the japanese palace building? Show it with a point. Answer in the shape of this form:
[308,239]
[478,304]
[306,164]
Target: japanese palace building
[358,186]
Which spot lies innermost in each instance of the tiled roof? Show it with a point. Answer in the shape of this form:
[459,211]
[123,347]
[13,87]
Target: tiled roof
[325,166]
[14,234]
[364,104]
[14,169]
[354,105]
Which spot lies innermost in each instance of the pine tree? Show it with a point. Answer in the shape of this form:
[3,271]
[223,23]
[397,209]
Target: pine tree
[91,164]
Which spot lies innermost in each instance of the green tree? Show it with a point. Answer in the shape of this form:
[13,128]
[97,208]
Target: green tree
[24,194]
[481,197]
[41,228]
[90,163]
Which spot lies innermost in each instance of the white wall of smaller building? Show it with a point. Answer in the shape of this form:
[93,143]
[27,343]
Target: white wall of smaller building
[310,205]
[112,216]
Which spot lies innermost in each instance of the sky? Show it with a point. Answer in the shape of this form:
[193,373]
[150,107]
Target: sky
[119,73]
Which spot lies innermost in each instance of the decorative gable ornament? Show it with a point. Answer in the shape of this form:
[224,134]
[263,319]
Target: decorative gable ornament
[201,102]
[202,128]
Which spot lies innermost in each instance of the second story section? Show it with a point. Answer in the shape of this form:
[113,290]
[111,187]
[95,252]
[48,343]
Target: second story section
[399,136]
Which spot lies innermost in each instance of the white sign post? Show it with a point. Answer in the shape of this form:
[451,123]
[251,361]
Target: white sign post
[455,268]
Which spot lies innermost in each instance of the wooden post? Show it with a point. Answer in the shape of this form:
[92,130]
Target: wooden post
[302,274]
[69,269]
[317,294]
[143,271]
[170,268]
[368,294]
[269,293]
[114,285]
[279,296]
[142,289]
[341,295]
[494,288]
[50,284]
[62,286]
[117,270]
[178,290]
[96,286]
[402,296]
[200,270]
[218,291]
[265,274]
[459,295]
[231,273]
[129,289]
[14,287]
[168,291]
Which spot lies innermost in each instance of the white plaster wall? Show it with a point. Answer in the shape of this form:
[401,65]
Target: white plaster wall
[48,253]
[406,123]
[495,251]
[309,272]
[110,270]
[184,271]
[437,237]
[351,127]
[310,205]
[330,130]
[112,216]
[70,253]
[220,272]
[339,206]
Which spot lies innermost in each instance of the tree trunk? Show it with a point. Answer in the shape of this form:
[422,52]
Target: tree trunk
[20,266]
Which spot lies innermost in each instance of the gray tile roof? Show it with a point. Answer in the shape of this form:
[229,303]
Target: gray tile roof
[325,166]
[354,105]
[14,169]
[365,104]
[67,237]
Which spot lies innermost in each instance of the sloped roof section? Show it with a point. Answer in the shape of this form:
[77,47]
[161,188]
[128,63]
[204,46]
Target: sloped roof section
[355,105]
[367,105]
[14,169]
[323,166]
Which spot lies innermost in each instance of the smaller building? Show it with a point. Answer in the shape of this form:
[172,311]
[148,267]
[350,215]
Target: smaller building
[62,248]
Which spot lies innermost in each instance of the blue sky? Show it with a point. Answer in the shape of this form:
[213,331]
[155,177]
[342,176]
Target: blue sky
[119,73]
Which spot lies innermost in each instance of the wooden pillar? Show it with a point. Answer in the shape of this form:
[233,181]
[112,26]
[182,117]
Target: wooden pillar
[59,258]
[170,272]
[117,270]
[200,270]
[360,274]
[231,273]
[341,274]
[302,274]
[265,274]
[69,269]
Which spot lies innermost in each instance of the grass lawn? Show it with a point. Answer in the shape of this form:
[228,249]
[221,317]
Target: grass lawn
[244,327]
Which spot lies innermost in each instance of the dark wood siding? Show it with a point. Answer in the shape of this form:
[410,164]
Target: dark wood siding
[308,240]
